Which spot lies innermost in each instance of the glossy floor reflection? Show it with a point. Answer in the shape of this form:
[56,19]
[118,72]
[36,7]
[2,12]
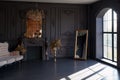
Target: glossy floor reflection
[97,71]
[63,69]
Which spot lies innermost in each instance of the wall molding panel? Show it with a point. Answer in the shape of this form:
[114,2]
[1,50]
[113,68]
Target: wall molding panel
[61,22]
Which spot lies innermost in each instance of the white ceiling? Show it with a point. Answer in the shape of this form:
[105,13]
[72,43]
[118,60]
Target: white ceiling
[60,1]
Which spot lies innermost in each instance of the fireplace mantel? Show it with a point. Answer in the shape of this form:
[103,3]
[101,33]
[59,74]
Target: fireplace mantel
[35,42]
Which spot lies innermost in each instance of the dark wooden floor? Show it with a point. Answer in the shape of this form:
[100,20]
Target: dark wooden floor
[63,69]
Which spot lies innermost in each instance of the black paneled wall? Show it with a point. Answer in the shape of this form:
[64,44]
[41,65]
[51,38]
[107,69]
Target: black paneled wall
[61,22]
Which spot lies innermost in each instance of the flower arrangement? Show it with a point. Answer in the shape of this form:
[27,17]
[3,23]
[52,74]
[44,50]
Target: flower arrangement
[21,48]
[55,44]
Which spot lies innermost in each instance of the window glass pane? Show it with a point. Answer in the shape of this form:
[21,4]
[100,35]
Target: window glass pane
[115,40]
[108,15]
[105,52]
[115,25]
[107,46]
[115,21]
[115,54]
[107,26]
[105,39]
[109,53]
[107,21]
[115,15]
[115,47]
[109,39]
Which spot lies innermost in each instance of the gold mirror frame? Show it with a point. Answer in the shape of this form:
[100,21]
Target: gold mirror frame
[81,43]
[34,22]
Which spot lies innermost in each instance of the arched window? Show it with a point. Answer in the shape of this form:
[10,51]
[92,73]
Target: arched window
[110,35]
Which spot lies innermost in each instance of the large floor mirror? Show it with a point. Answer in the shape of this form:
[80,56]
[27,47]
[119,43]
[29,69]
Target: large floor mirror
[81,43]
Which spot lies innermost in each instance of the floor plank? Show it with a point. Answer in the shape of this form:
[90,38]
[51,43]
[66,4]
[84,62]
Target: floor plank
[63,69]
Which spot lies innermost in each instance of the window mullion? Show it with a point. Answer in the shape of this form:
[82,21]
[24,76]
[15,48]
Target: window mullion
[103,38]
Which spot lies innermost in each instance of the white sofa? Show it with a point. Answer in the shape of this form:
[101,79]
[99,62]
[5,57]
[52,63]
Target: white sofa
[7,57]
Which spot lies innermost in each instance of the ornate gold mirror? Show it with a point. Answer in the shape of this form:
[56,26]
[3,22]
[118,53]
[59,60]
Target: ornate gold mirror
[81,42]
[34,20]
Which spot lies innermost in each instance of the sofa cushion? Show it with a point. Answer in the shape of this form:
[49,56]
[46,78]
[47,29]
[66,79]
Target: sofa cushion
[9,59]
[18,58]
[16,55]
[4,49]
[2,62]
